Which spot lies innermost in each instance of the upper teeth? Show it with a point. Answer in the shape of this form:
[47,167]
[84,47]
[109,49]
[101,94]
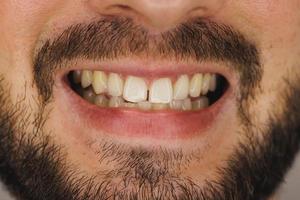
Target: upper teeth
[159,92]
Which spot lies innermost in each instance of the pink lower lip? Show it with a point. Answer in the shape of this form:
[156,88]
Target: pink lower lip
[137,123]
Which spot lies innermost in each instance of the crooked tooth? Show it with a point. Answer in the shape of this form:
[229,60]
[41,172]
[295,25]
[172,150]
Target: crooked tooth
[213,83]
[86,78]
[99,82]
[115,85]
[76,76]
[160,106]
[135,89]
[196,85]
[115,102]
[145,105]
[176,104]
[181,88]
[101,100]
[89,95]
[161,91]
[200,103]
[205,83]
[187,104]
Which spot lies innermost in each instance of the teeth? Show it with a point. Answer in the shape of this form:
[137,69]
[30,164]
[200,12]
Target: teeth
[130,105]
[187,104]
[101,100]
[116,102]
[76,76]
[89,95]
[176,104]
[200,103]
[161,91]
[205,83]
[160,106]
[196,85]
[99,82]
[213,83]
[115,85]
[86,78]
[135,89]
[181,88]
[145,105]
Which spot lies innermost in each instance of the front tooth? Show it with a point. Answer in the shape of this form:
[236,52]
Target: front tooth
[116,102]
[76,76]
[181,88]
[115,85]
[145,105]
[176,104]
[206,83]
[187,104]
[101,100]
[99,82]
[130,105]
[200,103]
[135,89]
[161,91]
[196,85]
[86,78]
[213,83]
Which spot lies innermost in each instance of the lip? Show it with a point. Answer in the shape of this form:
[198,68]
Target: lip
[165,124]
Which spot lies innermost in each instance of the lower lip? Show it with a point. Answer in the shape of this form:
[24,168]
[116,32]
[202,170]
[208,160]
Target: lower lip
[126,122]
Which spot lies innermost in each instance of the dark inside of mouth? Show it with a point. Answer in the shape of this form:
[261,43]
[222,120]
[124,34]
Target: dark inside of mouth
[222,86]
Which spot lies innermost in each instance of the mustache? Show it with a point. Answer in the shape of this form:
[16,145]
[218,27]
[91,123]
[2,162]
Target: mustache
[116,37]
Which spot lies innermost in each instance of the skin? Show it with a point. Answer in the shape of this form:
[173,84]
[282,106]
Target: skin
[274,26]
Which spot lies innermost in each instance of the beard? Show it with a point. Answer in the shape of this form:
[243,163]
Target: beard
[33,166]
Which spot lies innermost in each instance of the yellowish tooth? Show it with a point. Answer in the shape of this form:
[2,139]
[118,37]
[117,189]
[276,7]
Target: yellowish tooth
[200,103]
[181,88]
[145,105]
[116,102]
[99,82]
[89,95]
[135,89]
[115,85]
[101,100]
[213,83]
[187,104]
[196,85]
[176,104]
[130,105]
[160,106]
[205,83]
[161,91]
[76,76]
[86,78]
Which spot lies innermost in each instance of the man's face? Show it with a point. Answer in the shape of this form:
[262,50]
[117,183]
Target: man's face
[144,99]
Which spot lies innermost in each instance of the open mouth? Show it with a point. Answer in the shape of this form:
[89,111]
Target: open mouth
[187,92]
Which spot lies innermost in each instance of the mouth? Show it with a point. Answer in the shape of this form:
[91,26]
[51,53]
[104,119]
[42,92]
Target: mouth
[147,105]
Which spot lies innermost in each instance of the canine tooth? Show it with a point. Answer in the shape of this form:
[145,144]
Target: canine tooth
[86,78]
[160,106]
[135,89]
[176,104]
[213,83]
[181,88]
[187,104]
[115,85]
[89,95]
[161,91]
[101,100]
[196,85]
[205,83]
[145,105]
[99,82]
[116,102]
[200,103]
[76,76]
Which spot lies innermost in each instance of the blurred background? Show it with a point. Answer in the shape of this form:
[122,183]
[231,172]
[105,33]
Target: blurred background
[290,189]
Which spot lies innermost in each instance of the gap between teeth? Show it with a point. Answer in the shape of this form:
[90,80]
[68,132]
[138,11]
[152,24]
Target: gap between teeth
[111,90]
